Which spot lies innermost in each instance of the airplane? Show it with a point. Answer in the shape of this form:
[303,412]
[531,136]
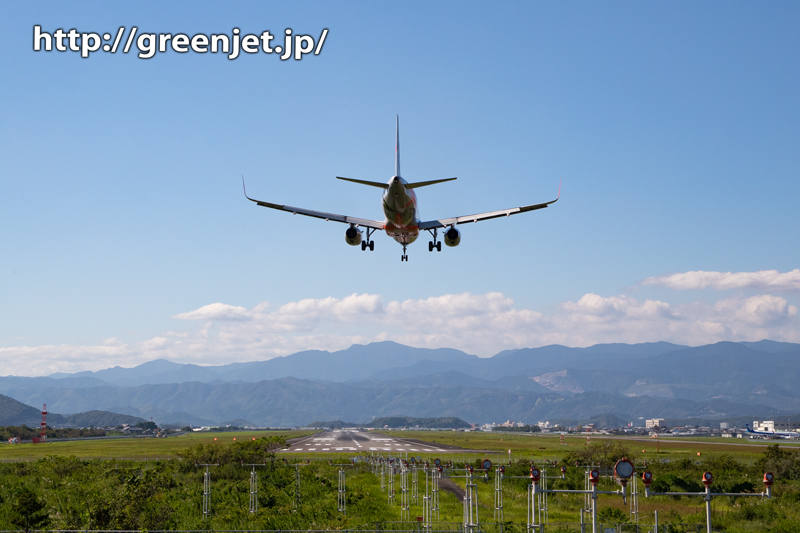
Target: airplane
[783,434]
[400,208]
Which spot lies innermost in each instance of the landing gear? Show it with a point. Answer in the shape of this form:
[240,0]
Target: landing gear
[368,243]
[404,257]
[435,243]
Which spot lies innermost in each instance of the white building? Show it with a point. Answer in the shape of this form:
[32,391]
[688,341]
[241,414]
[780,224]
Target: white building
[771,425]
[653,422]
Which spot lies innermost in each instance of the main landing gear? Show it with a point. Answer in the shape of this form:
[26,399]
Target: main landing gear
[404,257]
[368,243]
[435,243]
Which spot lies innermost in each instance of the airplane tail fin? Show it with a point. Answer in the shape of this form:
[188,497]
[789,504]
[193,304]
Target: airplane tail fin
[397,146]
[749,429]
[426,183]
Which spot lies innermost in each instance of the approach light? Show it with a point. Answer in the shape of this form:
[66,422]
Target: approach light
[594,476]
[708,479]
[486,464]
[647,478]
[535,474]
[769,479]
[623,471]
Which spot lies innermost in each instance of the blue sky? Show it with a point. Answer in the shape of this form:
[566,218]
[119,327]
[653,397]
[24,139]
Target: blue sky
[674,128]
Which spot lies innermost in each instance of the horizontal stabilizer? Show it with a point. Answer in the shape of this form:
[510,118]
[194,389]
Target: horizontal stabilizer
[426,183]
[363,182]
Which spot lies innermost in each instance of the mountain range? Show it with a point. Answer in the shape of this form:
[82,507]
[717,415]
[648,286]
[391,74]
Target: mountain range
[388,379]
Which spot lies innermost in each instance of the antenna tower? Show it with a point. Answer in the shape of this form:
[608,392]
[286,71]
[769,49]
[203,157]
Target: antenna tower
[43,432]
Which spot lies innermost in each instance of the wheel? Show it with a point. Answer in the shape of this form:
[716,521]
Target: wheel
[363,246]
[430,246]
[439,246]
[371,246]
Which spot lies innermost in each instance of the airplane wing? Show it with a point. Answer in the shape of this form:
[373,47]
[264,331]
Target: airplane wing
[317,214]
[444,222]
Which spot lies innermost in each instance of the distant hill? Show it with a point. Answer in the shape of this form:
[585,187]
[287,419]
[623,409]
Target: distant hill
[397,422]
[427,423]
[332,424]
[98,419]
[15,413]
[239,423]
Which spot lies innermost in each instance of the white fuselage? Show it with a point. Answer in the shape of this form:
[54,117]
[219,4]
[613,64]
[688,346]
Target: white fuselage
[400,209]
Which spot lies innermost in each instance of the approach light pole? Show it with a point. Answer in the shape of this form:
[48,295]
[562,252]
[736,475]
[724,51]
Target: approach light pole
[708,479]
[623,470]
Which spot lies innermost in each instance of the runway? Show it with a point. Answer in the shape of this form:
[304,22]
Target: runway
[363,442]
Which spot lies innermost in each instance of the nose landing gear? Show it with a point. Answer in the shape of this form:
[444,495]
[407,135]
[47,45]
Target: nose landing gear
[404,257]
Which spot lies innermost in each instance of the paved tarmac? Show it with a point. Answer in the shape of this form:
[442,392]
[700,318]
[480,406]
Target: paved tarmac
[362,442]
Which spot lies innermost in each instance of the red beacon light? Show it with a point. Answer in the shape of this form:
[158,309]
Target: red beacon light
[486,464]
[563,472]
[769,479]
[502,469]
[594,476]
[647,478]
[708,479]
[535,474]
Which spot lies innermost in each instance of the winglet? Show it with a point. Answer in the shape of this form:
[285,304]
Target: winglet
[397,146]
[244,189]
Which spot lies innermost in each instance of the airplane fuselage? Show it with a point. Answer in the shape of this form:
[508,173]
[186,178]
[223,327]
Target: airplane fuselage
[400,210]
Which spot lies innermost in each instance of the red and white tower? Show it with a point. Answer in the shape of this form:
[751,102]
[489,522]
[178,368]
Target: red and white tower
[43,432]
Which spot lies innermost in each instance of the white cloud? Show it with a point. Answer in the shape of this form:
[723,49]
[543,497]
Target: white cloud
[216,311]
[768,280]
[483,324]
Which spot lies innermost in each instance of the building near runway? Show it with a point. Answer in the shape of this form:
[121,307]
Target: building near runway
[772,425]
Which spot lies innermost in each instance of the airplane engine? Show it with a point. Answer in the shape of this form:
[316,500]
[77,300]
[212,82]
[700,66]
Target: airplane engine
[352,236]
[452,237]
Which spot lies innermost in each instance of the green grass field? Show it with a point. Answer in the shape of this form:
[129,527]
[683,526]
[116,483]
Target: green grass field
[132,448]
